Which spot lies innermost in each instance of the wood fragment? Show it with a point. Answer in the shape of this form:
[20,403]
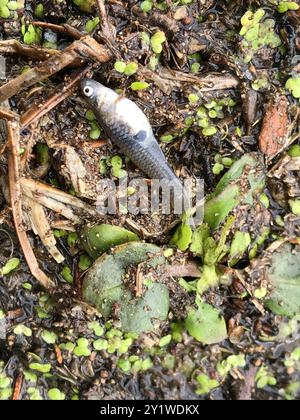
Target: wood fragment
[13,134]
[274,127]
[58,354]
[12,46]
[18,387]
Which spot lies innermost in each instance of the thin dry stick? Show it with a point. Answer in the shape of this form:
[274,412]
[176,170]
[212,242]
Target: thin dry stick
[85,48]
[12,46]
[13,134]
[34,114]
[63,29]
[107,29]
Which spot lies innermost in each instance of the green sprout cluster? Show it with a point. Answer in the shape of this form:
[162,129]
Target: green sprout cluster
[207,114]
[285,6]
[31,34]
[7,8]
[92,24]
[263,378]
[257,33]
[95,131]
[5,383]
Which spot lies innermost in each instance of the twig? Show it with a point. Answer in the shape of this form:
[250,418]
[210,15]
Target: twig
[85,48]
[7,114]
[12,46]
[108,30]
[63,93]
[62,29]
[13,134]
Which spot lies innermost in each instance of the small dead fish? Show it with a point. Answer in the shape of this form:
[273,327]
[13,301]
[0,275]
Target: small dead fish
[128,127]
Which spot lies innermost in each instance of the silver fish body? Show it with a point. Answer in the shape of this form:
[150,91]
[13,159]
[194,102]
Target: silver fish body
[129,129]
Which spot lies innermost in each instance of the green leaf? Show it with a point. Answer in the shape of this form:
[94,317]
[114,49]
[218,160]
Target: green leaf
[14,5]
[95,132]
[164,341]
[92,24]
[138,316]
[82,348]
[293,85]
[167,138]
[49,337]
[198,239]
[205,384]
[43,368]
[4,12]
[209,131]
[23,330]
[66,274]
[283,274]
[100,344]
[120,66]
[294,151]
[124,365]
[295,206]
[206,325]
[10,265]
[239,246]
[285,6]
[146,6]
[100,238]
[182,236]
[156,41]
[131,68]
[139,86]
[193,98]
[39,11]
[4,382]
[96,327]
[55,394]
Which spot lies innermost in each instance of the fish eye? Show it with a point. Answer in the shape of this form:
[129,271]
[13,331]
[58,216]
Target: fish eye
[88,91]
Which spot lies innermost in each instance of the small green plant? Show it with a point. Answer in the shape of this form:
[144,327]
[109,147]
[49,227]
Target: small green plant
[157,40]
[139,86]
[10,265]
[92,24]
[257,33]
[205,384]
[285,6]
[263,378]
[7,8]
[232,362]
[85,5]
[293,85]
[31,34]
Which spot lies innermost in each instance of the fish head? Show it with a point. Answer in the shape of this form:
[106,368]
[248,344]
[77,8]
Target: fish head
[96,94]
